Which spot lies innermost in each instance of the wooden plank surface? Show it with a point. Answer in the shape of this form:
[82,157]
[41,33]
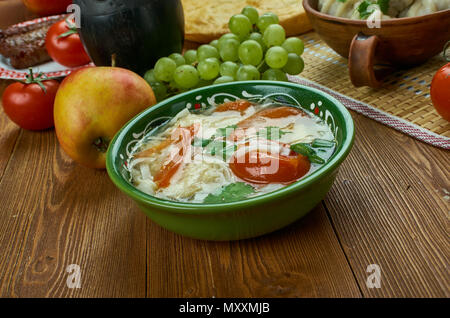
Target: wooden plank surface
[302,260]
[56,213]
[8,136]
[387,208]
[390,207]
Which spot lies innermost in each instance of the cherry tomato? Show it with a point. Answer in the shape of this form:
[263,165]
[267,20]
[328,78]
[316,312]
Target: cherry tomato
[30,103]
[47,7]
[261,167]
[440,91]
[64,45]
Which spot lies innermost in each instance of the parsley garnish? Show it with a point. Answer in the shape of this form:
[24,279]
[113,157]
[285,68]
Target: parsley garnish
[365,10]
[232,192]
[308,151]
[384,5]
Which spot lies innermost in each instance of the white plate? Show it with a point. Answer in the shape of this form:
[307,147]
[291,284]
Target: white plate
[51,69]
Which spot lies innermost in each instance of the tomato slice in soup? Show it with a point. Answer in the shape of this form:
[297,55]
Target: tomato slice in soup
[262,118]
[181,138]
[260,167]
[238,105]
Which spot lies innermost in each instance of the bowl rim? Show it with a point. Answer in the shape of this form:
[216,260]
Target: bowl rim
[201,208]
[394,21]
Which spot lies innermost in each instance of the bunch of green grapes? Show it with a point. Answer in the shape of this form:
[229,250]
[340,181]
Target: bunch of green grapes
[256,48]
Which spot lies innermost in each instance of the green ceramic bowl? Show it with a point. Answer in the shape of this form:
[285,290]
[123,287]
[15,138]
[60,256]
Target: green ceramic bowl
[247,218]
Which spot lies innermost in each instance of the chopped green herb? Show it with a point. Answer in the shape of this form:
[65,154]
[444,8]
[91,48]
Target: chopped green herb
[306,150]
[384,5]
[199,142]
[364,13]
[322,143]
[232,192]
[365,9]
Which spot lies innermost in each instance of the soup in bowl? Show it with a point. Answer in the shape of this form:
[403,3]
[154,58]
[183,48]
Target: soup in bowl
[232,161]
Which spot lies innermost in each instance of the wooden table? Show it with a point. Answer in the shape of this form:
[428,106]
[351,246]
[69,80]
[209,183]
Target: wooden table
[389,206]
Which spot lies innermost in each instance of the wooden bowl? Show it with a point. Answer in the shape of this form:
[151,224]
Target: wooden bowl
[397,43]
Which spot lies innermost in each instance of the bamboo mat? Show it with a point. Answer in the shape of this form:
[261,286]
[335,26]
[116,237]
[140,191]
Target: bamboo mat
[405,94]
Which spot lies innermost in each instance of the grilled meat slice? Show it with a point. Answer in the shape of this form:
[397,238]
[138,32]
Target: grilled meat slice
[25,45]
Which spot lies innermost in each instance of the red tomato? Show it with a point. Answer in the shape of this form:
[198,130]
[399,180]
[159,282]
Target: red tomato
[29,106]
[64,46]
[182,138]
[239,105]
[263,168]
[440,91]
[47,7]
[259,119]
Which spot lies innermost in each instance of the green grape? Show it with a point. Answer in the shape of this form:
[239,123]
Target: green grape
[265,20]
[256,36]
[164,69]
[274,75]
[228,69]
[224,79]
[186,76]
[228,50]
[149,76]
[294,65]
[251,13]
[160,90]
[206,51]
[190,56]
[247,73]
[240,25]
[276,57]
[178,58]
[209,68]
[214,43]
[294,45]
[274,35]
[228,36]
[250,52]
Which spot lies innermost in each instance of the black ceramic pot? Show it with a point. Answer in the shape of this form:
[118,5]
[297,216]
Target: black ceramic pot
[136,32]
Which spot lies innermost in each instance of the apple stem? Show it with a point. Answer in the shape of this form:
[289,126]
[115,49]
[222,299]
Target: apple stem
[101,144]
[113,59]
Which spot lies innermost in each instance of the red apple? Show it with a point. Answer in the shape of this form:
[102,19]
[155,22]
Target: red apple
[92,104]
[47,7]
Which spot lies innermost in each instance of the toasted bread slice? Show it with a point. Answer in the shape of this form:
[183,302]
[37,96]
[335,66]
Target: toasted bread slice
[207,20]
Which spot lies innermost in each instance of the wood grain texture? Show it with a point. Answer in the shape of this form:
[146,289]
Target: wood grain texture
[56,213]
[303,260]
[9,134]
[390,207]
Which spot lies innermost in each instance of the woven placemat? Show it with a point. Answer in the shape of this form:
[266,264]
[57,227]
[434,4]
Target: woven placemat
[403,102]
